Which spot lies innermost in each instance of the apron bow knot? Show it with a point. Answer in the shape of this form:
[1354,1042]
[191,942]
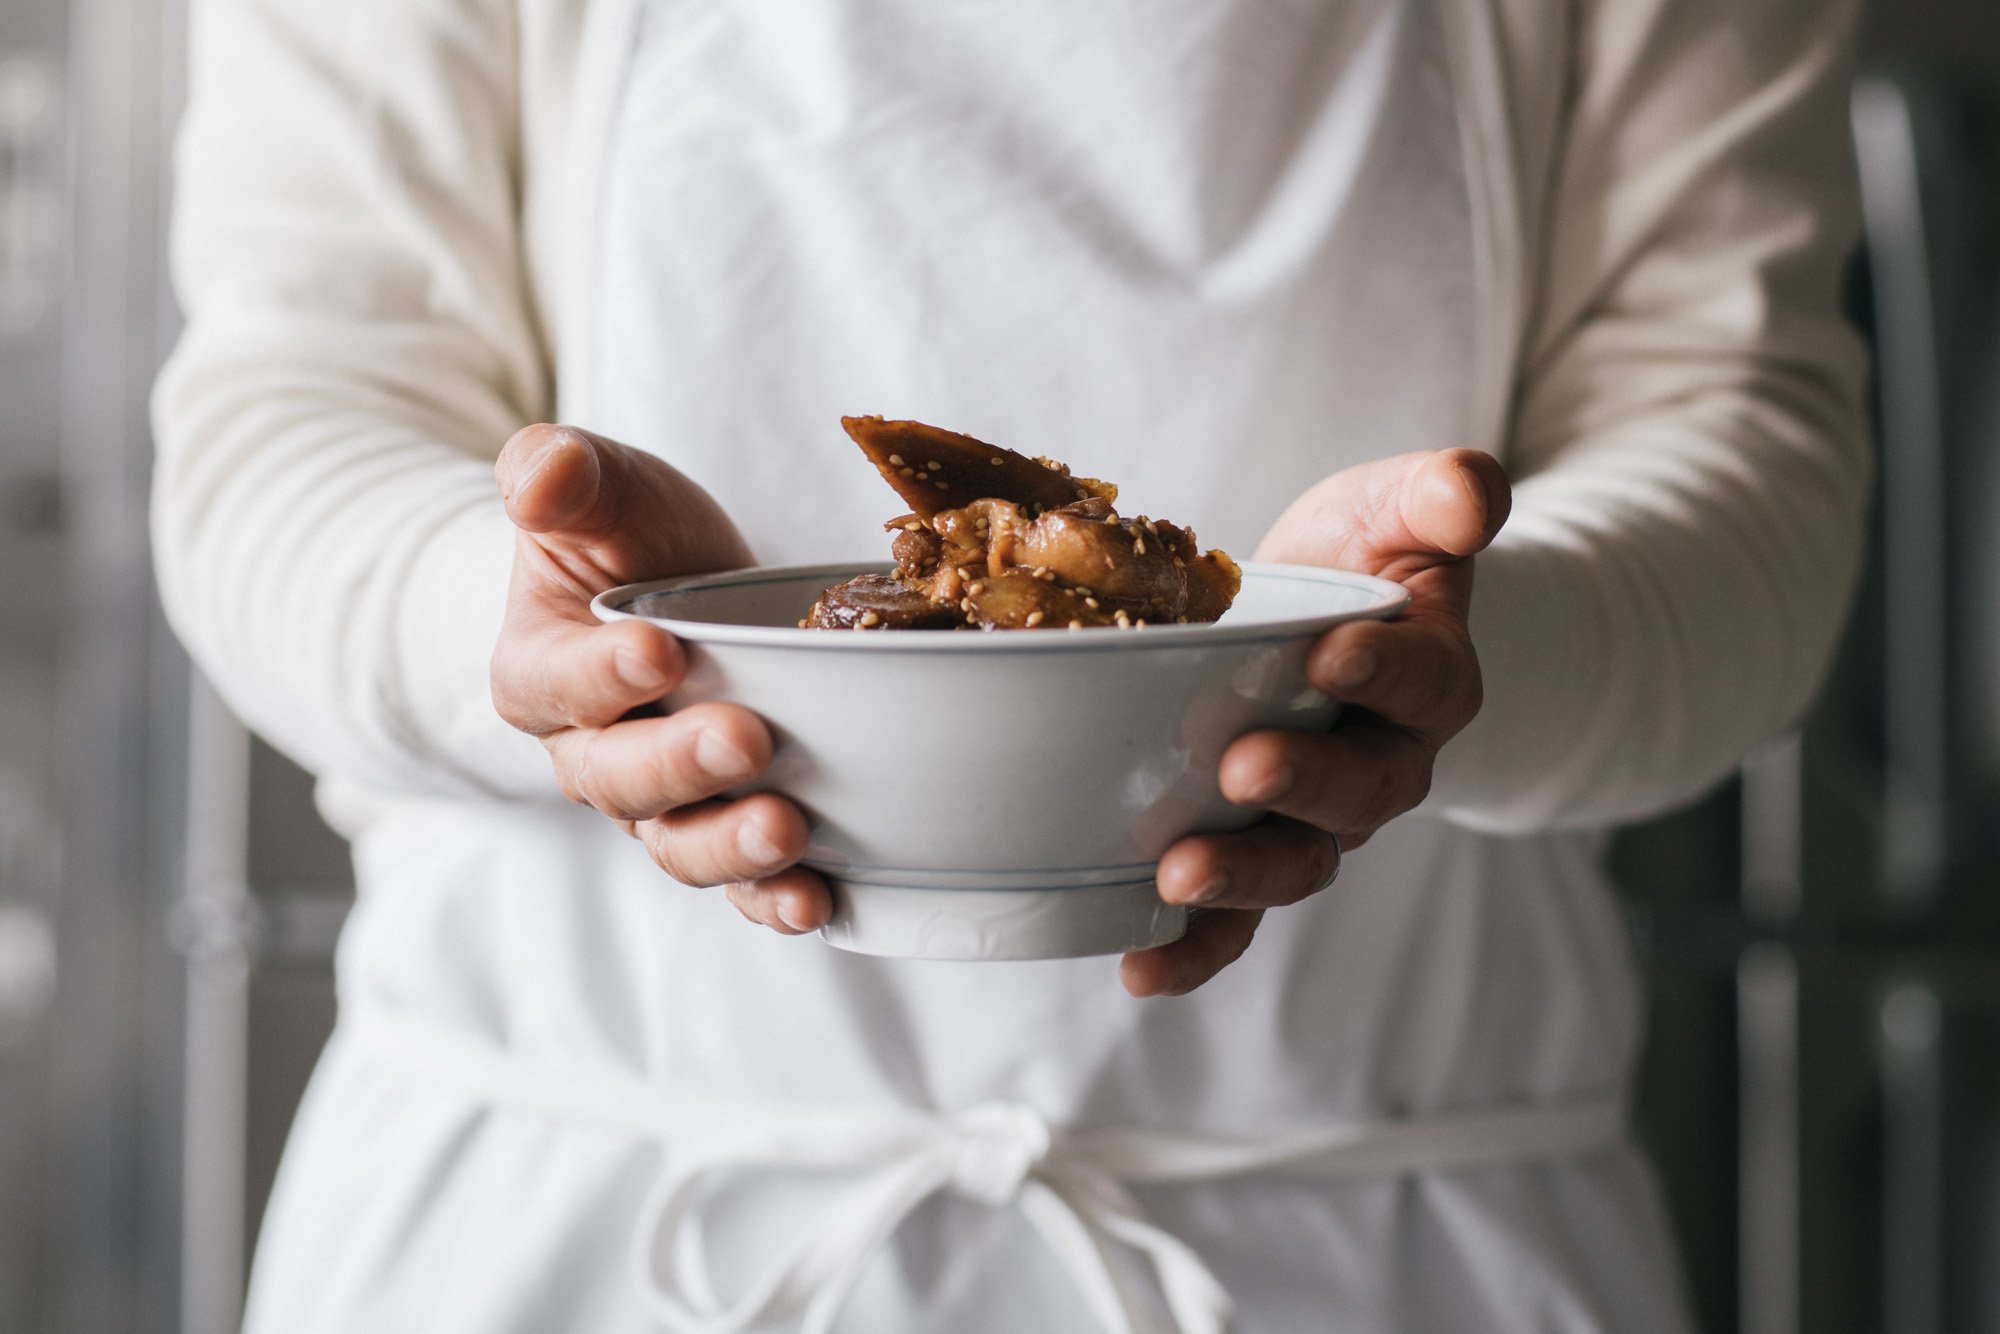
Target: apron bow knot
[1072,1185]
[999,1145]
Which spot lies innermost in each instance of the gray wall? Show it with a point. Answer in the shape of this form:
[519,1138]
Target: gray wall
[1957,35]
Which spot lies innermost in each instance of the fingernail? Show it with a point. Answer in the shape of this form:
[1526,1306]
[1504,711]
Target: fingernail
[522,469]
[1274,785]
[719,757]
[1352,669]
[638,671]
[789,914]
[757,848]
[1474,488]
[1210,889]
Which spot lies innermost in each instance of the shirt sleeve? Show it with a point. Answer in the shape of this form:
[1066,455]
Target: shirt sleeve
[1689,445]
[359,344]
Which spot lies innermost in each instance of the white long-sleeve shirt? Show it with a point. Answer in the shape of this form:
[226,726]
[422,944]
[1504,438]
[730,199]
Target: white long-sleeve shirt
[383,249]
[389,251]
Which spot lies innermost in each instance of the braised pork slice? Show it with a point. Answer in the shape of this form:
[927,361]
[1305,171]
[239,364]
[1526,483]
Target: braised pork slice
[879,602]
[999,541]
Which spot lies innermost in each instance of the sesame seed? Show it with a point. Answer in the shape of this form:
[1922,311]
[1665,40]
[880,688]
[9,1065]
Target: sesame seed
[1091,603]
[906,472]
[869,618]
[1034,618]
[1041,570]
[913,527]
[965,604]
[802,623]
[1139,545]
[1123,619]
[941,486]
[1082,592]
[896,460]
[934,466]
[996,462]
[978,586]
[1140,623]
[1076,625]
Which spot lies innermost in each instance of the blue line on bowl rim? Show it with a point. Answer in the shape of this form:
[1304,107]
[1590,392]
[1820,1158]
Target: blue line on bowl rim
[844,868]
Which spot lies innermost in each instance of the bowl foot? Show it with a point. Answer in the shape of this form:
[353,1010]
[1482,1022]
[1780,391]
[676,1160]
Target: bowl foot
[1001,923]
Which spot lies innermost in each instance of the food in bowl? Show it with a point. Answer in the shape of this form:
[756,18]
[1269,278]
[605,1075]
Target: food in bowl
[996,540]
[1029,826]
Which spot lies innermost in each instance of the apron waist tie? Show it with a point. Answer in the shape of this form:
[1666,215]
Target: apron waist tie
[1071,1185]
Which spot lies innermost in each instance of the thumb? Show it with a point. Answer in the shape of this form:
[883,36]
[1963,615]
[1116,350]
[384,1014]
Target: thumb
[624,512]
[1396,517]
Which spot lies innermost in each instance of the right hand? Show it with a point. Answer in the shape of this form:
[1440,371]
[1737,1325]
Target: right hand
[593,514]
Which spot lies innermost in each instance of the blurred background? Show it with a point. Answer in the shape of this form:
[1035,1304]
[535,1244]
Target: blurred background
[1822,1081]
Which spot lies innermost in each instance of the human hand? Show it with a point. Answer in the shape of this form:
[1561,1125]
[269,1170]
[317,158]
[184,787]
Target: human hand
[1408,686]
[593,514]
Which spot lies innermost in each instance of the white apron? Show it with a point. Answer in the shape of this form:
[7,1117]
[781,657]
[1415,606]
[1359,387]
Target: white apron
[1213,251]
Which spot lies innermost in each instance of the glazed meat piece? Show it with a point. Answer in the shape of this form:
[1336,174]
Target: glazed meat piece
[934,469]
[878,602]
[1000,541]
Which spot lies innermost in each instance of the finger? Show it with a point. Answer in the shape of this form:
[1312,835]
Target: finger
[1419,674]
[1214,940]
[611,514]
[719,842]
[552,670]
[1350,781]
[792,902]
[552,479]
[1454,504]
[1396,516]
[645,767]
[1266,866]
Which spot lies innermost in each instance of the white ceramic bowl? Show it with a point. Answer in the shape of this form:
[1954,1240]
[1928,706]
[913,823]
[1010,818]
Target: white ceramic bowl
[1003,795]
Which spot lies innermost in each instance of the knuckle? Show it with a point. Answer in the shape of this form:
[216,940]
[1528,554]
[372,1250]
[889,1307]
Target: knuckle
[505,682]
[1472,686]
[668,850]
[1379,804]
[645,776]
[743,897]
[1428,686]
[563,756]
[1419,789]
[509,709]
[656,779]
[593,780]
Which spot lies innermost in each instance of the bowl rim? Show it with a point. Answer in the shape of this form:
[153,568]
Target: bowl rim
[1389,599]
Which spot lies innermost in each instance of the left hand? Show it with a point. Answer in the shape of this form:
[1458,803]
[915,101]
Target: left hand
[1408,686]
